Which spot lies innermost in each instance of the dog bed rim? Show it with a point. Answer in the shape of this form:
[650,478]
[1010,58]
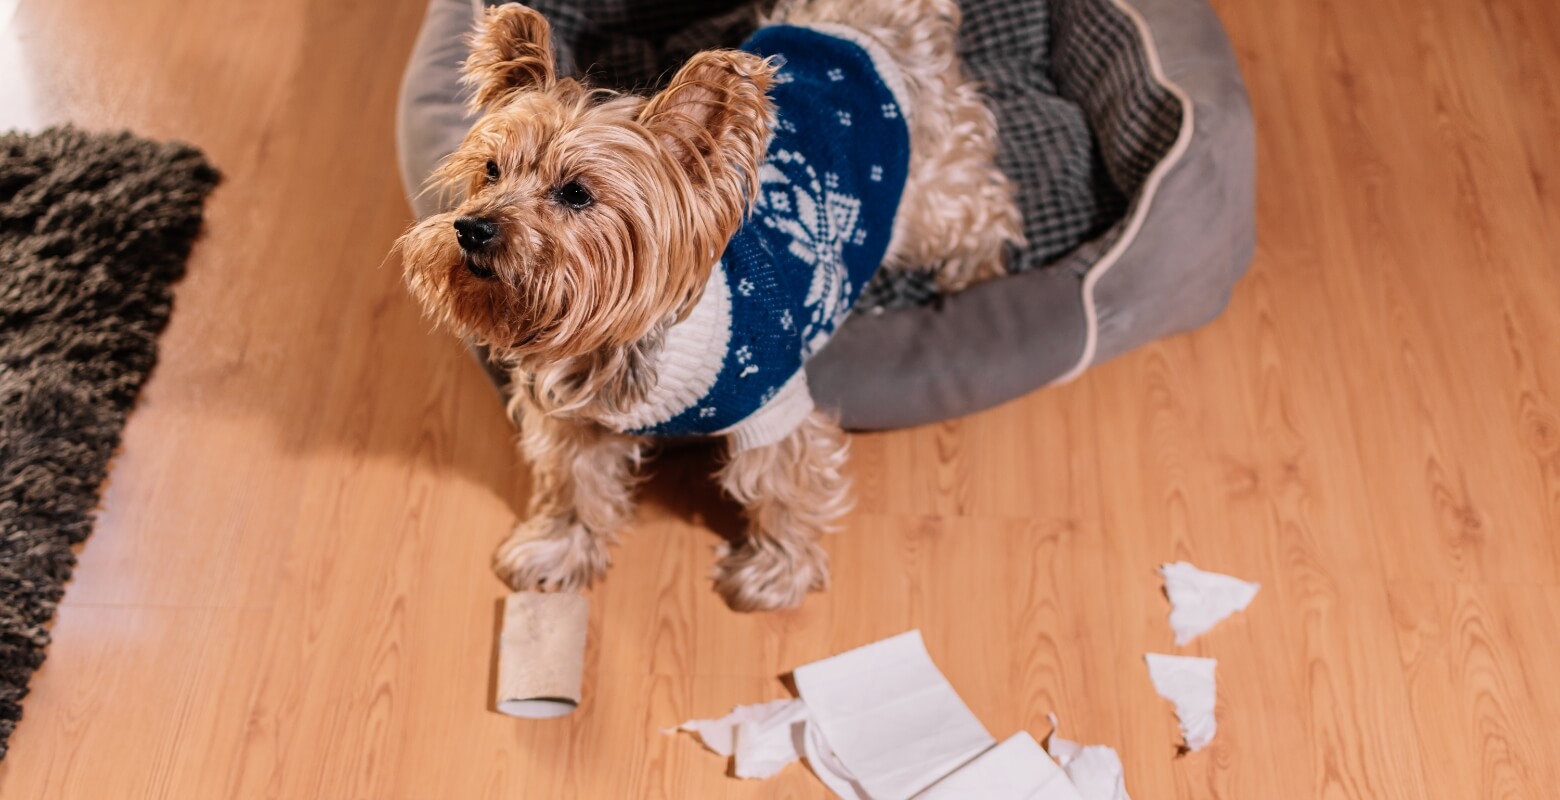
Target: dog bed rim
[1146,195]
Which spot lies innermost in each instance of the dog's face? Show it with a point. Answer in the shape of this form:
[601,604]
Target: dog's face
[585,218]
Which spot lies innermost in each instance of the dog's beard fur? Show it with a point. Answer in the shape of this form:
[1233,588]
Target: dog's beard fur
[577,298]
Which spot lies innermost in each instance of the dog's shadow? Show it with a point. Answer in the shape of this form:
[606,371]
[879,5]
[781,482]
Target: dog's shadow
[680,481]
[399,393]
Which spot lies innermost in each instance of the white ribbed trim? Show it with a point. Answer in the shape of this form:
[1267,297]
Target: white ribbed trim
[1091,315]
[690,359]
[775,419]
[887,67]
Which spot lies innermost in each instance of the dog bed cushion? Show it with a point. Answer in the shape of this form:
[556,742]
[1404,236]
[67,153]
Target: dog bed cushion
[1124,125]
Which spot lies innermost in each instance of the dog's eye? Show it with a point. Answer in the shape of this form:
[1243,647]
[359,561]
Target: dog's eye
[492,171]
[574,195]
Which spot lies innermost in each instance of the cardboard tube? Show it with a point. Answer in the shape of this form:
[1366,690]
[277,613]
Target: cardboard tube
[541,654]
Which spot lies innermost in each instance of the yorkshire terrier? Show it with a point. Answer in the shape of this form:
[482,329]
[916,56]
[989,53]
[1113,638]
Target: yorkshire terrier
[663,266]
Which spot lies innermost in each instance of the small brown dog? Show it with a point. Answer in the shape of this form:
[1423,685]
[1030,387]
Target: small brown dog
[595,250]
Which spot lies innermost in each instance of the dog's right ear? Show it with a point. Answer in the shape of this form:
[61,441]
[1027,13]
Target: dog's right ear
[511,51]
[714,119]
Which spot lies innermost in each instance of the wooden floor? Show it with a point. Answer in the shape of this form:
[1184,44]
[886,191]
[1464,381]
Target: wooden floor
[288,596]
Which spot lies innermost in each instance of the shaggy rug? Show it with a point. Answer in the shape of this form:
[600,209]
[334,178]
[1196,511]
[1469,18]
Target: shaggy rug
[94,229]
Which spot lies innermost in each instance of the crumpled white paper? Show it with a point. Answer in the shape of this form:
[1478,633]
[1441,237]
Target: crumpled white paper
[1200,600]
[762,738]
[876,722]
[1095,770]
[765,746]
[882,723]
[1187,682]
[828,767]
[1017,768]
[890,716]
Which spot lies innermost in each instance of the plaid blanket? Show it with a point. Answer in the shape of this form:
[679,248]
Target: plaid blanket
[1081,127]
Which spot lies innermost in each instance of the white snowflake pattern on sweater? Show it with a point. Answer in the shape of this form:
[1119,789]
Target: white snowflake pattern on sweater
[820,221]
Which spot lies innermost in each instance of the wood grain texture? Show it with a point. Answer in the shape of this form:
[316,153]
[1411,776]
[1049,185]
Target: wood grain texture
[288,593]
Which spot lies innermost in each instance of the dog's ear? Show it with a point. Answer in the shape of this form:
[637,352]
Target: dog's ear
[511,51]
[714,117]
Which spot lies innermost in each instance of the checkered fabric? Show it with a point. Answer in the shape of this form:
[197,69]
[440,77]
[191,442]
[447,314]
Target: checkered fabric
[1081,119]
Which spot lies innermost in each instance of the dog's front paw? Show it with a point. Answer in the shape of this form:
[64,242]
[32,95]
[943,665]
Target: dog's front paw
[552,555]
[769,576]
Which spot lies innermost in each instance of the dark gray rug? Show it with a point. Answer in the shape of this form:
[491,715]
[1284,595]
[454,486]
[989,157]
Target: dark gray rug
[94,229]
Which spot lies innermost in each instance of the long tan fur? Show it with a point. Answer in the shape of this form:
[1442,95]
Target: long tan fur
[794,491]
[576,298]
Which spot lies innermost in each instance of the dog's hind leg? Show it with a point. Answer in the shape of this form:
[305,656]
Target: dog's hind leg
[794,490]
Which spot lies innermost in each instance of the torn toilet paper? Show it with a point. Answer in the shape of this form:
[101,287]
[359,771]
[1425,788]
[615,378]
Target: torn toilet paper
[1200,600]
[764,747]
[890,716]
[882,723]
[760,737]
[1095,770]
[1016,768]
[1188,683]
[828,767]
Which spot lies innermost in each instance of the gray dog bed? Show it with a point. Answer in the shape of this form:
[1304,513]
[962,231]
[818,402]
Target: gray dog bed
[1124,124]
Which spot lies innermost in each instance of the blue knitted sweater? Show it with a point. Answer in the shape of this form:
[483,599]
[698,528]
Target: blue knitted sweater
[830,191]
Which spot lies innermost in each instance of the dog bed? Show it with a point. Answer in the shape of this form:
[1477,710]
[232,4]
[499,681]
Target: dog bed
[1123,123]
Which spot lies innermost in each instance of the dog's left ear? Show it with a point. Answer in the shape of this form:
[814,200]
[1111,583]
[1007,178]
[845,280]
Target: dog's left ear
[714,118]
[511,51]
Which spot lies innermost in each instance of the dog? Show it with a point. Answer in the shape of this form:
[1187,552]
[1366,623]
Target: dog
[663,265]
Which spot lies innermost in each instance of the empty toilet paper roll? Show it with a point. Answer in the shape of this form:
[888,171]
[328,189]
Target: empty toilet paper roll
[541,654]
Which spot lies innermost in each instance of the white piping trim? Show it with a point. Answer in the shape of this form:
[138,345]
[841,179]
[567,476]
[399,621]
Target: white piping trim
[1150,188]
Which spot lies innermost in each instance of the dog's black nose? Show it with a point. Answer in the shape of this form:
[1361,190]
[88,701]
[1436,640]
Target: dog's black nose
[475,234]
